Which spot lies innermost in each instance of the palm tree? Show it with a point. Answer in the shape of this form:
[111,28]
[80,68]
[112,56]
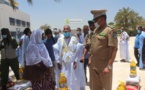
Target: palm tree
[111,24]
[44,27]
[132,20]
[122,17]
[128,18]
[13,2]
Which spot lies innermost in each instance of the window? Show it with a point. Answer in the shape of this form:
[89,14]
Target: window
[18,22]
[13,34]
[7,3]
[12,21]
[28,24]
[23,23]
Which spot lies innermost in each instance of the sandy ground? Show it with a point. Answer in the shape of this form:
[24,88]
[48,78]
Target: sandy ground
[121,70]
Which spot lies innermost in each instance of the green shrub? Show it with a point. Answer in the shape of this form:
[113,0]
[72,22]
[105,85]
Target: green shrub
[131,32]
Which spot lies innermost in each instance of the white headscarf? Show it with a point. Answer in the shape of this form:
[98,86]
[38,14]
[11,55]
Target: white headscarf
[36,51]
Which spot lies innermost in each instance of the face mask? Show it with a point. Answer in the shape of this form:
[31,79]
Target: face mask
[4,36]
[138,31]
[57,35]
[66,34]
[96,25]
[120,30]
[42,41]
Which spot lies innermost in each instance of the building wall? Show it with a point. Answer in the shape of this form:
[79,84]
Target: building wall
[6,12]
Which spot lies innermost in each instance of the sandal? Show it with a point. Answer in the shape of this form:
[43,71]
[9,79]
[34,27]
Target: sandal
[123,60]
[10,84]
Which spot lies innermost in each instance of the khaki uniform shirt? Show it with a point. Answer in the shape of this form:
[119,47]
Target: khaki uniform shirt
[87,41]
[101,50]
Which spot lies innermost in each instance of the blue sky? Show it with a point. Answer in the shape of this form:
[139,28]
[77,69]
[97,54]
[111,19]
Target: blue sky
[54,13]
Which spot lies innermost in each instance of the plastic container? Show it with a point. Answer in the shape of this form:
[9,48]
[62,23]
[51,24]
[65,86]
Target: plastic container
[121,86]
[63,82]
[21,73]
[129,87]
[133,69]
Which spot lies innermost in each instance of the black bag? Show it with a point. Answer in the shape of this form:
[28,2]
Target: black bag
[34,72]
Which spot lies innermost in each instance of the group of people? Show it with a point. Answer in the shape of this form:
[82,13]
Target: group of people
[139,46]
[69,54]
[124,46]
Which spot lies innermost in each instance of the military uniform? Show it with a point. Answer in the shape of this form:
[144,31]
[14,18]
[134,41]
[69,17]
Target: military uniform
[101,52]
[87,44]
[87,41]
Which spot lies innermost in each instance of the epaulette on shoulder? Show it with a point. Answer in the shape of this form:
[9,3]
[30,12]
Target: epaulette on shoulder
[109,28]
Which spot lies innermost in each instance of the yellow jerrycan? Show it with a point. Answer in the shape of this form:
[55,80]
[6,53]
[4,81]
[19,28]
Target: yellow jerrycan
[63,82]
[133,69]
[121,86]
[21,72]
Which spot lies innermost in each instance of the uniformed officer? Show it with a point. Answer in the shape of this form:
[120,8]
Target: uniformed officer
[87,44]
[103,52]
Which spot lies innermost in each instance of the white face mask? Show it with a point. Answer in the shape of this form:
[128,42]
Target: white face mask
[97,25]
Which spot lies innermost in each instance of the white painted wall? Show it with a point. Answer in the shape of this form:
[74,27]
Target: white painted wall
[6,12]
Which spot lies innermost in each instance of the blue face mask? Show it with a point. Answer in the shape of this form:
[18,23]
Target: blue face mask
[66,34]
[120,30]
[57,35]
[42,41]
[4,36]
[138,31]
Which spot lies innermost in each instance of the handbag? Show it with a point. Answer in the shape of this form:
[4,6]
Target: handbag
[34,72]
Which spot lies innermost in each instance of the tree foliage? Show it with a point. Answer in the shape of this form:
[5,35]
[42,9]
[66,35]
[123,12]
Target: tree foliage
[12,2]
[44,27]
[128,18]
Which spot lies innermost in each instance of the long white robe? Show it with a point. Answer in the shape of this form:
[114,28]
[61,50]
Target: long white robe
[79,72]
[67,57]
[20,57]
[24,46]
[124,46]
[80,38]
[22,49]
[141,39]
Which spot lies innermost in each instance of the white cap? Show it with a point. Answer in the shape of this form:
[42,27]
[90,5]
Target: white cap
[56,30]
[97,13]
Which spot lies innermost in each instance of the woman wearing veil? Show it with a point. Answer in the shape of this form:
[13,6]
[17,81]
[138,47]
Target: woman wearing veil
[35,53]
